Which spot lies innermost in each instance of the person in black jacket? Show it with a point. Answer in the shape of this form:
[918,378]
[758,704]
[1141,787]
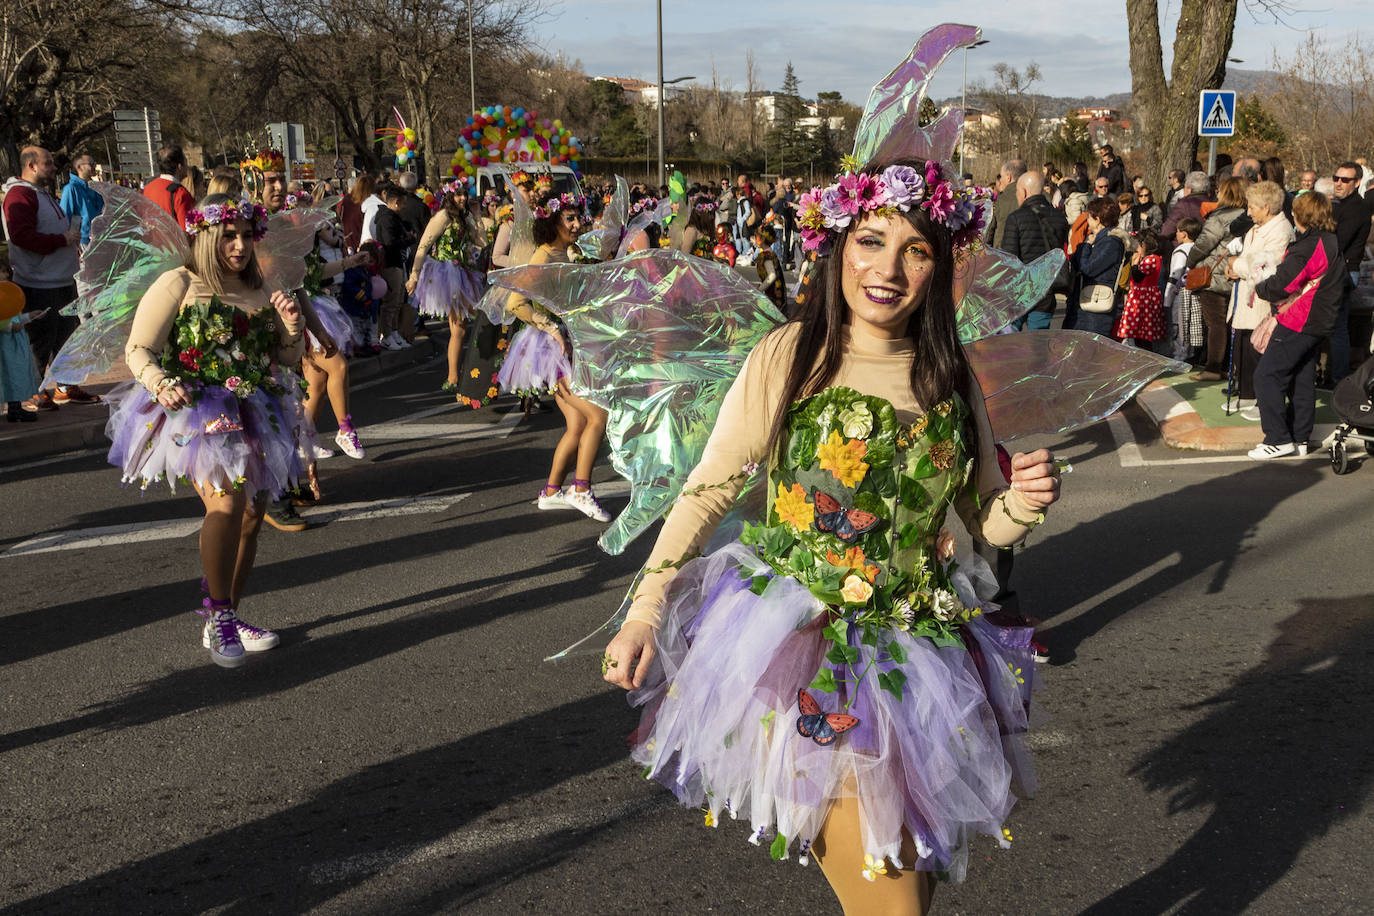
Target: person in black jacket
[1032,229]
[1112,170]
[1351,214]
[1309,286]
[397,319]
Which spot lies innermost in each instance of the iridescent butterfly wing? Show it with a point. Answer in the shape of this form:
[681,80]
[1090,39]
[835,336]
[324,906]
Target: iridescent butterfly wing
[133,242]
[602,242]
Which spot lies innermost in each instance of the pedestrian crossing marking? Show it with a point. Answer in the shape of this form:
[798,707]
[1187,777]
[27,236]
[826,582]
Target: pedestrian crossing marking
[1218,119]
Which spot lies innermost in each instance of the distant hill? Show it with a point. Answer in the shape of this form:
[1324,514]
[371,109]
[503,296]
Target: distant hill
[1245,82]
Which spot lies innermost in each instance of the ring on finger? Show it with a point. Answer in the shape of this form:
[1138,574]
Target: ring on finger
[607,663]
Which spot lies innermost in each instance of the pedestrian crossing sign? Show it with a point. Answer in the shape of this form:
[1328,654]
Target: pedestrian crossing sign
[1217,113]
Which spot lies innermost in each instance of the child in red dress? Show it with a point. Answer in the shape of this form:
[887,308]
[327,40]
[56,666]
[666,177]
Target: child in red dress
[1142,317]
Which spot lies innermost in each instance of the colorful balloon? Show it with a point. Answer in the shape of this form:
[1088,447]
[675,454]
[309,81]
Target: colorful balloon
[11,300]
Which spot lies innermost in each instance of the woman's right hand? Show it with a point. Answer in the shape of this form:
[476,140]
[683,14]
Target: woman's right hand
[410,287]
[173,397]
[632,648]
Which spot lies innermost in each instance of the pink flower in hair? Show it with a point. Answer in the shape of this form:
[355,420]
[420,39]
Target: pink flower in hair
[940,204]
[933,173]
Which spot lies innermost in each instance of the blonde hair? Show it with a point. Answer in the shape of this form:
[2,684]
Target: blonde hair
[228,185]
[204,262]
[1267,194]
[1313,211]
[1232,193]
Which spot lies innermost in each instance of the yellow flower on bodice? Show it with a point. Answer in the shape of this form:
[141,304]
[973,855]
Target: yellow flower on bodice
[792,507]
[844,458]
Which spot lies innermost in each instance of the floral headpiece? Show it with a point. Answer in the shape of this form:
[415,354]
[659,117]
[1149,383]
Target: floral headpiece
[543,183]
[825,212]
[266,160]
[519,177]
[705,206]
[456,186]
[555,204]
[214,214]
[644,203]
[296,199]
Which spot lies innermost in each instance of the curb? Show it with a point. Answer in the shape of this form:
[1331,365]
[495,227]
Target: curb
[38,443]
[1181,427]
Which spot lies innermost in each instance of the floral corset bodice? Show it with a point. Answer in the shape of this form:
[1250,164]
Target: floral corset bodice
[212,343]
[857,501]
[452,245]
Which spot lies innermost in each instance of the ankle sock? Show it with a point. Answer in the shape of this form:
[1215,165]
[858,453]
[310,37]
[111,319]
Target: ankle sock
[549,489]
[581,486]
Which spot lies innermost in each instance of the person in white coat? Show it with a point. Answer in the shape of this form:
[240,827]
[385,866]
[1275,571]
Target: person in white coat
[1261,251]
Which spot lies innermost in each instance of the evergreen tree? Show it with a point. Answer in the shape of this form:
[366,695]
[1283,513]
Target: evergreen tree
[791,145]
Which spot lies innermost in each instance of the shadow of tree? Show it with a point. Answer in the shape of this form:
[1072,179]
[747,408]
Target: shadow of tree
[1280,757]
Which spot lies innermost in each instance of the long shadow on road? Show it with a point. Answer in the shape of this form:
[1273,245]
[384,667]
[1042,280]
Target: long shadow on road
[1281,756]
[1198,530]
[359,826]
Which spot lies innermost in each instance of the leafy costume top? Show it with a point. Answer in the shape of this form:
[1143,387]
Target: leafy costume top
[868,449]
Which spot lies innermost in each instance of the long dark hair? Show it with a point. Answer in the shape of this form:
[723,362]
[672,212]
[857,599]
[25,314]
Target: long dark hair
[938,368]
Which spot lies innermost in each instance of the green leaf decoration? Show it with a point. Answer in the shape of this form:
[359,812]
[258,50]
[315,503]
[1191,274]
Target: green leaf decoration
[911,533]
[758,584]
[838,655]
[824,681]
[767,719]
[868,501]
[870,636]
[836,632]
[779,848]
[880,453]
[893,682]
[924,468]
[912,494]
[897,652]
[884,481]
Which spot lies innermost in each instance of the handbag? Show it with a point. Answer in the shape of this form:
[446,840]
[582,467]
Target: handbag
[1199,277]
[1097,299]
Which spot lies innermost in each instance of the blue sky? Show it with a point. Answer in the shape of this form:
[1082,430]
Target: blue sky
[1078,58]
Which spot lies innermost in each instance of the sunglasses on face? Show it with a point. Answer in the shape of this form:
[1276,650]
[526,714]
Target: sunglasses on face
[1342,177]
[1144,196]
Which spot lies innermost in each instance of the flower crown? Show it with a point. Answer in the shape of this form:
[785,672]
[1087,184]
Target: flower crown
[826,212]
[705,206]
[456,186]
[644,203]
[266,160]
[296,199]
[214,214]
[555,204]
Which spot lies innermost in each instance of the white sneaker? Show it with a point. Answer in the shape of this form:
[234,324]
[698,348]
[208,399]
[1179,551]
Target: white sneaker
[348,444]
[253,639]
[1250,413]
[585,502]
[400,342]
[320,452]
[389,342]
[1302,449]
[1264,452]
[555,500]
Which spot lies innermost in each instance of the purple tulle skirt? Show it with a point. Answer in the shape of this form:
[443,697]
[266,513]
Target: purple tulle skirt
[227,442]
[336,323]
[719,726]
[535,362]
[445,289]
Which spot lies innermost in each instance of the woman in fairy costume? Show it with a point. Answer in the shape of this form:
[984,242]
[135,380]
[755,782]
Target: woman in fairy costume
[444,282]
[539,360]
[827,675]
[205,404]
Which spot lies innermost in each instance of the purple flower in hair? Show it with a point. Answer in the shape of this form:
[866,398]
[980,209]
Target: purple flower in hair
[933,174]
[836,207]
[904,185]
[964,210]
[213,213]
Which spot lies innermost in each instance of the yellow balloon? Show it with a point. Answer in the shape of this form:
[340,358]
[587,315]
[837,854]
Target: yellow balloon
[11,300]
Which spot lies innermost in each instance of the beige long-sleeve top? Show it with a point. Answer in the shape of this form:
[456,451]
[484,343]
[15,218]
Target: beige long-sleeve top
[520,305]
[871,366]
[158,309]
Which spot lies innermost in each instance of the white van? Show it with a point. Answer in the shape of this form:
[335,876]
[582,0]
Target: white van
[494,176]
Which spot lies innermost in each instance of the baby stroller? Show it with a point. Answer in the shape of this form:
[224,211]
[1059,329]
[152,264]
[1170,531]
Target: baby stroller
[1353,399]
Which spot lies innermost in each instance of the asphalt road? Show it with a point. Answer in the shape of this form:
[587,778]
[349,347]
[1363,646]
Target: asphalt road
[1204,744]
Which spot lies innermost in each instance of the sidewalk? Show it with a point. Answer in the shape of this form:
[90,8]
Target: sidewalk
[1192,415]
[80,426]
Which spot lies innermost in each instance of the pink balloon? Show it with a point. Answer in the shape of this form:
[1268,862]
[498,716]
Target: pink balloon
[378,288]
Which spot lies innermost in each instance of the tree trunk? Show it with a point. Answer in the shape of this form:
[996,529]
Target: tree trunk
[1166,112]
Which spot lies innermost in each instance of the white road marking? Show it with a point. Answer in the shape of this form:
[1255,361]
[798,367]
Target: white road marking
[401,431]
[170,529]
[53,459]
[483,837]
[1130,456]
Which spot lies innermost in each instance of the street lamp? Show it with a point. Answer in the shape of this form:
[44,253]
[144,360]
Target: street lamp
[662,176]
[963,162]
